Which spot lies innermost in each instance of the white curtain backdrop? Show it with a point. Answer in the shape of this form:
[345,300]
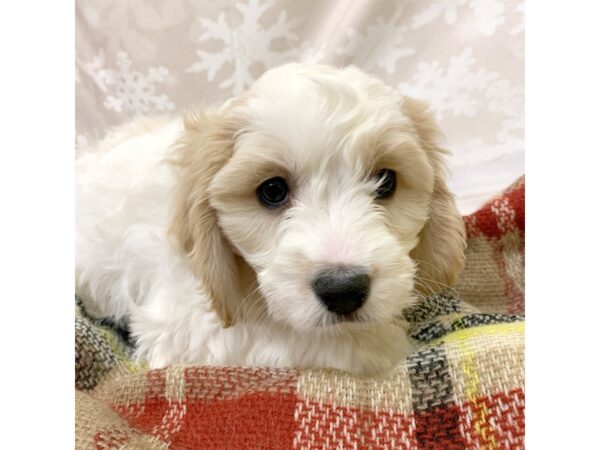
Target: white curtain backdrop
[465,57]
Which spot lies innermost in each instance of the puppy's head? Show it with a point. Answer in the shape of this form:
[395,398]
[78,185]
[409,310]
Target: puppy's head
[323,191]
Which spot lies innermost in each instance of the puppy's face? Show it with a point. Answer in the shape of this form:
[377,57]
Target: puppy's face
[326,192]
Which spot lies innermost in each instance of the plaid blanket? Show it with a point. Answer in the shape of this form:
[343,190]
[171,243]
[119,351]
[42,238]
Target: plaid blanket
[462,388]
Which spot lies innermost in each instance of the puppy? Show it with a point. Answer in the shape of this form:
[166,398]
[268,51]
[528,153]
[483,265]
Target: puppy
[287,228]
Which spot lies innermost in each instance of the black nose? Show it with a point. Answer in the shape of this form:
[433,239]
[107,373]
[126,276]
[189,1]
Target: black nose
[343,289]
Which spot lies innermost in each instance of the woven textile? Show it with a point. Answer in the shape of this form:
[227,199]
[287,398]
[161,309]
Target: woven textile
[463,387]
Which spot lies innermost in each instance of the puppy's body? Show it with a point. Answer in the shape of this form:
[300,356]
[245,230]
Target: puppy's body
[127,269]
[170,235]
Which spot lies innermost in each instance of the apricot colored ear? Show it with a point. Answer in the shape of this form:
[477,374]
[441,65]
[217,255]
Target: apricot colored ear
[440,252]
[204,148]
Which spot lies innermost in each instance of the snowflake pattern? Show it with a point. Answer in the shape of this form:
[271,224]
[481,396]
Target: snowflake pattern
[447,8]
[508,100]
[125,89]
[450,88]
[488,14]
[133,91]
[93,69]
[243,46]
[126,24]
[464,56]
[382,45]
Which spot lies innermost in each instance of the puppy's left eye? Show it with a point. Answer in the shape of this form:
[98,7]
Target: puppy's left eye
[387,183]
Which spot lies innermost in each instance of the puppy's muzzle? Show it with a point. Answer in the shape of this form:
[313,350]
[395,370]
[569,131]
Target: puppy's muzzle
[342,289]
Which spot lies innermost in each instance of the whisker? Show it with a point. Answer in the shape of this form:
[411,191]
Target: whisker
[436,282]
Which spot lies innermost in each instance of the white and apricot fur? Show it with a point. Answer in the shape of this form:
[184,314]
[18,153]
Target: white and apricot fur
[171,238]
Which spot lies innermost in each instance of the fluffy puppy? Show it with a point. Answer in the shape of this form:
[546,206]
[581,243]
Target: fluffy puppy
[288,227]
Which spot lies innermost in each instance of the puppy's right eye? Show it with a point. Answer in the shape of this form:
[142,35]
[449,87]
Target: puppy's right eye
[387,180]
[273,192]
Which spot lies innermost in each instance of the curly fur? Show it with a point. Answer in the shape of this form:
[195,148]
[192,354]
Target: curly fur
[171,237]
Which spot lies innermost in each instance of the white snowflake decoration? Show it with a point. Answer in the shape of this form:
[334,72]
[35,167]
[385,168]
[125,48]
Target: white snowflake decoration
[381,43]
[508,100]
[93,69]
[447,8]
[451,88]
[133,91]
[245,45]
[488,14]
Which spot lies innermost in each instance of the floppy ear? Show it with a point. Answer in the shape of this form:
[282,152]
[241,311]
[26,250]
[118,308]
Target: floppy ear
[440,252]
[204,148]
